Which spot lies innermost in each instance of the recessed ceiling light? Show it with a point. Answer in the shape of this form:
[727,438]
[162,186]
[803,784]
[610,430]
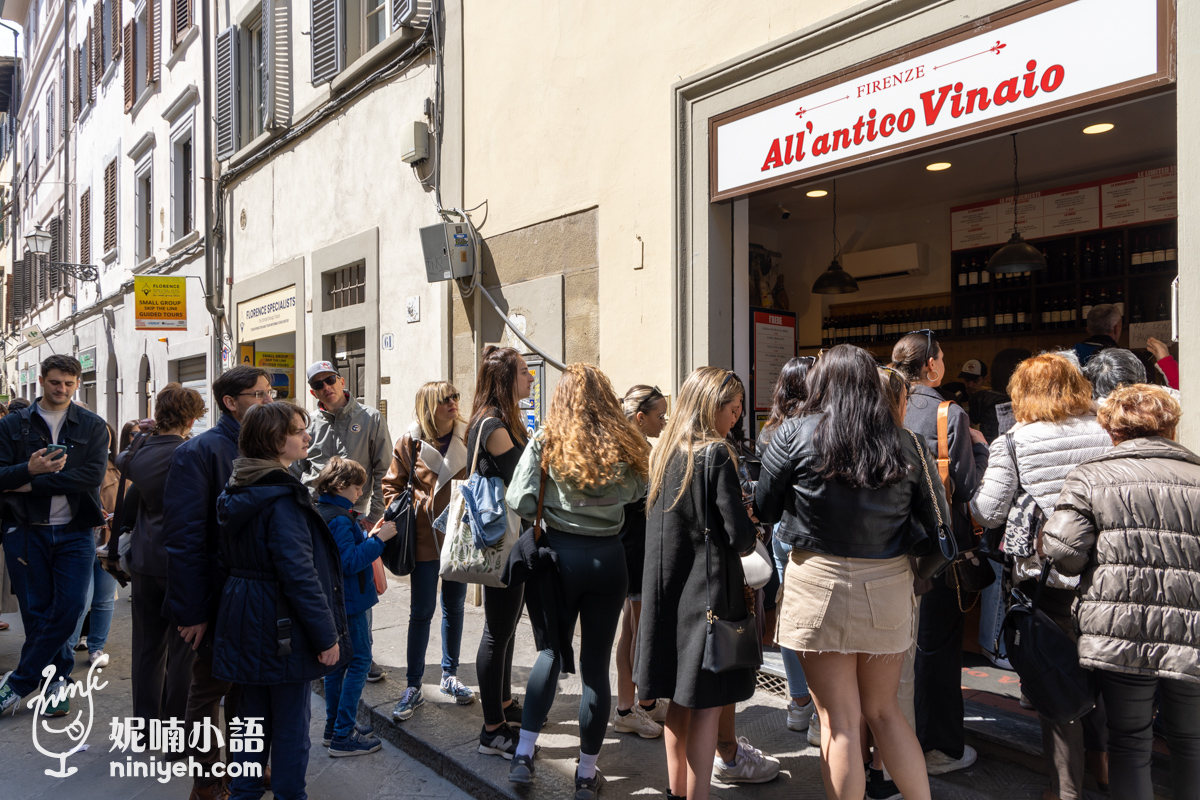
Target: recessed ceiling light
[816,193]
[1102,127]
[938,166]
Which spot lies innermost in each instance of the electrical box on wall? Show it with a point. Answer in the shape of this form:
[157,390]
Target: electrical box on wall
[414,142]
[449,251]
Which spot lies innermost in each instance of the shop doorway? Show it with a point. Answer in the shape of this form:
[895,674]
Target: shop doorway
[350,358]
[192,373]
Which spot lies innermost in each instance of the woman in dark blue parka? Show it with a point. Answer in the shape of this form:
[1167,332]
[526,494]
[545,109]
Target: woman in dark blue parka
[282,617]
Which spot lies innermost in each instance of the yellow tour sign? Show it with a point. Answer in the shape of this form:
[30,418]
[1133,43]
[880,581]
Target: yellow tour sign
[160,303]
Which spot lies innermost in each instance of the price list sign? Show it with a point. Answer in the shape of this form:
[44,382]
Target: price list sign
[773,336]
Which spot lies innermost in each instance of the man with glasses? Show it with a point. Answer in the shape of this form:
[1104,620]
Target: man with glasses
[200,468]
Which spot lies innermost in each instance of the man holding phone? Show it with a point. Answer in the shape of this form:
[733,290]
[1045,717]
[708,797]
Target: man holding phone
[53,456]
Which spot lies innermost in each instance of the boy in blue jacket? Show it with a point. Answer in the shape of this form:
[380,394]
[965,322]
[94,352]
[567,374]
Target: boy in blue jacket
[340,486]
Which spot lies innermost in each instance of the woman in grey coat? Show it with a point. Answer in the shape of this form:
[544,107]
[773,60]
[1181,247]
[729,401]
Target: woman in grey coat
[1128,522]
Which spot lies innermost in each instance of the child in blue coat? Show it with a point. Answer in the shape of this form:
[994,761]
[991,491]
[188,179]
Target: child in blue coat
[340,485]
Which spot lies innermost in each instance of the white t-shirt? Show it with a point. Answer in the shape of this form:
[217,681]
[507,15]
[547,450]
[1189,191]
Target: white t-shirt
[60,508]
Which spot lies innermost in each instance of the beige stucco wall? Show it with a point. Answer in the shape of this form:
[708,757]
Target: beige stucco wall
[568,106]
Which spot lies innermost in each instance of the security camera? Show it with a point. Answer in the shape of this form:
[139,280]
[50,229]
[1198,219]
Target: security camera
[784,213]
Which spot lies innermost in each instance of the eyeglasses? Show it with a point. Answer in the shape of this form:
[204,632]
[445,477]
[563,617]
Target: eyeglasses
[259,395]
[928,342]
[316,383]
[452,398]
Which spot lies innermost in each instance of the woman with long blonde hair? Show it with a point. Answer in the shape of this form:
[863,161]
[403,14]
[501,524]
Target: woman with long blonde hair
[592,462]
[694,491]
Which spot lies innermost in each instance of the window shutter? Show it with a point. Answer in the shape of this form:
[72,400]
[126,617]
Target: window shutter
[89,46]
[55,256]
[85,227]
[110,206]
[18,289]
[181,19]
[227,123]
[64,110]
[327,35]
[153,39]
[413,13]
[116,32]
[277,56]
[76,92]
[98,44]
[130,66]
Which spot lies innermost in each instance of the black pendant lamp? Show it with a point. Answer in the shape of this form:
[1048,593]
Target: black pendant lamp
[1017,255]
[835,280]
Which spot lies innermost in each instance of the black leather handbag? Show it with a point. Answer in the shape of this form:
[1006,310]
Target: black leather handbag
[727,645]
[934,562]
[400,552]
[1046,658]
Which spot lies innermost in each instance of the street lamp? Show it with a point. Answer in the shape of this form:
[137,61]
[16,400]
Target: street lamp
[38,242]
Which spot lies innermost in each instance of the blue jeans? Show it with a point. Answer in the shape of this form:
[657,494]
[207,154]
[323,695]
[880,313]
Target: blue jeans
[51,568]
[285,713]
[991,614]
[344,687]
[797,684]
[424,586]
[101,592]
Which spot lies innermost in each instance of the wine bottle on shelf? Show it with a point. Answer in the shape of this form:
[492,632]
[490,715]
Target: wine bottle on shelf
[825,332]
[874,327]
[1072,313]
[1118,256]
[973,276]
[1010,316]
[1160,252]
[1087,302]
[985,277]
[1171,256]
[1118,300]
[1104,299]
[1102,265]
[1045,316]
[1135,252]
[962,274]
[1088,266]
[1161,313]
[1137,314]
[1023,315]
[997,318]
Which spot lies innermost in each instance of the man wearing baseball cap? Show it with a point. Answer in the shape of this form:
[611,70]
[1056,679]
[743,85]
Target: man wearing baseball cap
[981,402]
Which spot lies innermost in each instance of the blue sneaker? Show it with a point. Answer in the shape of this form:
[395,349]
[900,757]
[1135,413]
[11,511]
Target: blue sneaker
[354,745]
[453,687]
[327,739]
[410,701]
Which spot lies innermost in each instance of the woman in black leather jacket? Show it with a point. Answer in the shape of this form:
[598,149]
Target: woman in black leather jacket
[938,664]
[846,483]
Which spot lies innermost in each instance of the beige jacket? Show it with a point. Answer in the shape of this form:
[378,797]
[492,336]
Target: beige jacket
[431,484]
[1128,521]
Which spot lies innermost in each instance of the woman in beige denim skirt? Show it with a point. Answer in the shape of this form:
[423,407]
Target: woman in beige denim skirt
[844,479]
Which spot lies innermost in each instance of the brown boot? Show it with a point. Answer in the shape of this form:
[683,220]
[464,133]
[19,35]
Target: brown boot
[1097,764]
[213,791]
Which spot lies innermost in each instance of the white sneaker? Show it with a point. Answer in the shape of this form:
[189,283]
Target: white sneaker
[98,658]
[799,716]
[636,721]
[938,763]
[659,712]
[814,730]
[752,766]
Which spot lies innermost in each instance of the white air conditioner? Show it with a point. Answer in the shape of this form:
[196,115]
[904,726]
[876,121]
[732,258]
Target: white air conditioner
[887,262]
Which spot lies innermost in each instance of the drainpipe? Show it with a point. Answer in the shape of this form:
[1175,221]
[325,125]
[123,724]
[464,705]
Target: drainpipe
[215,301]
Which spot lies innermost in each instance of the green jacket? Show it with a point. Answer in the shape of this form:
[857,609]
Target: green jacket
[589,512]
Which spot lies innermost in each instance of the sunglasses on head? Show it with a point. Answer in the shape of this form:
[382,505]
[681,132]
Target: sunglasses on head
[928,342]
[450,398]
[650,399]
[317,383]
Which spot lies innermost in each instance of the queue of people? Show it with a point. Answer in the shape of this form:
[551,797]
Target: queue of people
[253,550]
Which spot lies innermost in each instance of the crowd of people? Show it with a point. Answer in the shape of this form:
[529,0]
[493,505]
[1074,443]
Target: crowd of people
[254,551]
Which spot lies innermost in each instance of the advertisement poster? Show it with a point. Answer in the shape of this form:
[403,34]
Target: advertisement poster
[160,304]
[282,367]
[772,343]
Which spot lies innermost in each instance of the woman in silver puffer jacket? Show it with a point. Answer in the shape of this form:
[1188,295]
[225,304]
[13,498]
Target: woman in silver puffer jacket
[1056,431]
[1128,522]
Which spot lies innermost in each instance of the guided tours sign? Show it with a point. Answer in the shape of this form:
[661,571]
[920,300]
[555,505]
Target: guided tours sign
[160,304]
[1045,57]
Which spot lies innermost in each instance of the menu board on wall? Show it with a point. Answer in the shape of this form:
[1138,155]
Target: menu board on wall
[773,344]
[1146,196]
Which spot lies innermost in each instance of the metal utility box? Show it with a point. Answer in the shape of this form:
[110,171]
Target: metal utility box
[414,142]
[449,251]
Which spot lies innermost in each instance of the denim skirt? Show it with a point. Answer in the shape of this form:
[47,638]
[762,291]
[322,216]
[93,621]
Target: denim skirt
[846,605]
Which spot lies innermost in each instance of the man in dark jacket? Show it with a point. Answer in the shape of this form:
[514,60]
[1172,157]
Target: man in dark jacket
[1104,329]
[200,469]
[53,457]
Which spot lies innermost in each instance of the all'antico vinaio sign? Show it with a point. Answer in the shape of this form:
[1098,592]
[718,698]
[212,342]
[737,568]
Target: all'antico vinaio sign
[1042,58]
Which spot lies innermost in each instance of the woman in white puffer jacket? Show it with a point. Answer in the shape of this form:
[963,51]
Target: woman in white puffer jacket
[1056,431]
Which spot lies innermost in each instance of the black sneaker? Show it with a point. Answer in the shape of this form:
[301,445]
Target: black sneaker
[375,673]
[521,770]
[880,788]
[512,714]
[500,742]
[588,788]
[327,739]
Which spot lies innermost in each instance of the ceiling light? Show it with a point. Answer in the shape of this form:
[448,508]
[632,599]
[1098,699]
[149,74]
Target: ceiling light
[835,280]
[816,193]
[1102,127]
[938,166]
[1017,255]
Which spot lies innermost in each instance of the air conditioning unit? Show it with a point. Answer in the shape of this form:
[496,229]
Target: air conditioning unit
[887,262]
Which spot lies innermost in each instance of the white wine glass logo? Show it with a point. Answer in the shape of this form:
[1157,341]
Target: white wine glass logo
[75,730]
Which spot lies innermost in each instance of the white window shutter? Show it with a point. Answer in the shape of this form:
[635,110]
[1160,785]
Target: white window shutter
[227,122]
[328,31]
[411,13]
[277,56]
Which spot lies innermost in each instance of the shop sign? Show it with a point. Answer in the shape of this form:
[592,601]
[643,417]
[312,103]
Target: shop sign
[282,367]
[87,359]
[268,315]
[772,344]
[1045,57]
[33,335]
[160,304]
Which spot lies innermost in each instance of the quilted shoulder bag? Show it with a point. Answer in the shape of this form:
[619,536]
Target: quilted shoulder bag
[930,565]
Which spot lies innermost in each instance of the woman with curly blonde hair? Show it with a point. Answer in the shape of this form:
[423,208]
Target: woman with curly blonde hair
[592,462]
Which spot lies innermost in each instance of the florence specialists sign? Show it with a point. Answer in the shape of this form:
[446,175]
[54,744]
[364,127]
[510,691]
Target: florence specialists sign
[1042,59]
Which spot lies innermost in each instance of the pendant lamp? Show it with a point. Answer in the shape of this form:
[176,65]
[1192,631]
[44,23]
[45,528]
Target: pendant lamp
[1016,255]
[835,280]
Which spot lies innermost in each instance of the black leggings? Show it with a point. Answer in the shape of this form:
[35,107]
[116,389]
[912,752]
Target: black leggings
[594,582]
[493,662]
